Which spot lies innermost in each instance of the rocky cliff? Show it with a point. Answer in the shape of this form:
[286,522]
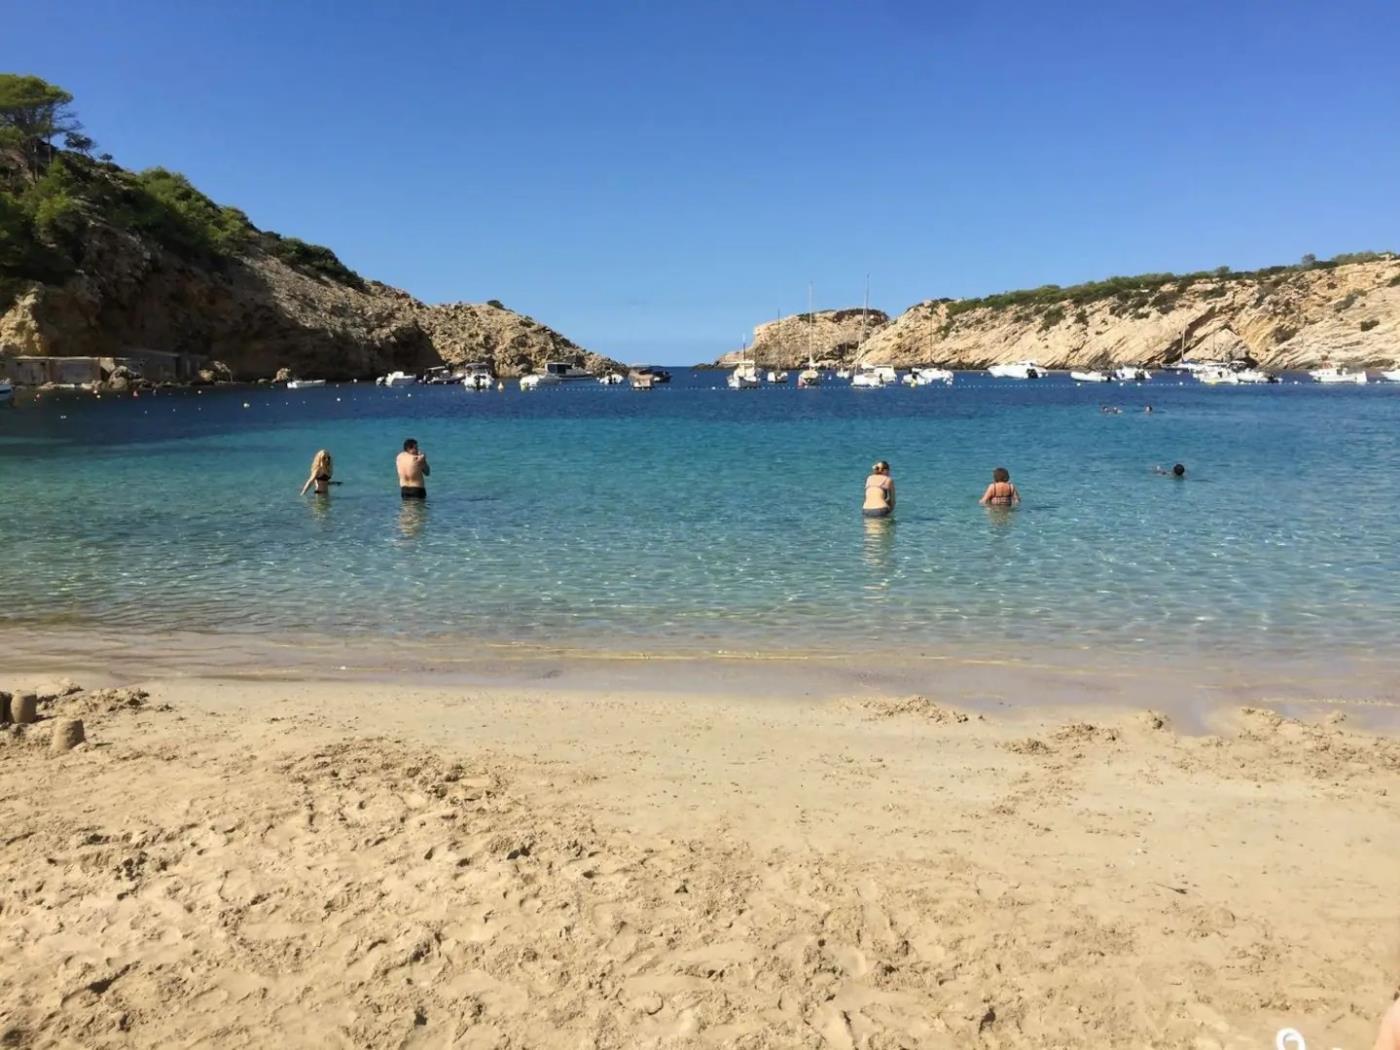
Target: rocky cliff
[1345,311]
[828,336]
[259,315]
[135,270]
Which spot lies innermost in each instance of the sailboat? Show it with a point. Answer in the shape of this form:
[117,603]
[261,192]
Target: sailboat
[746,375]
[870,376]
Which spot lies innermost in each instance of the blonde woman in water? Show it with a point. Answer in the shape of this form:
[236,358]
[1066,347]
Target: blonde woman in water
[321,470]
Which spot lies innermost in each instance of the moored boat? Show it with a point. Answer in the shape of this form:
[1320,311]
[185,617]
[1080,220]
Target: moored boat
[1091,376]
[611,378]
[304,384]
[1017,370]
[778,376]
[397,379]
[1334,374]
[566,371]
[7,390]
[872,376]
[535,380]
[929,376]
[1131,374]
[744,377]
[477,376]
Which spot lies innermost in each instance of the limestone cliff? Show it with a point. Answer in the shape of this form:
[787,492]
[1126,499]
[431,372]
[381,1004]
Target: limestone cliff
[259,315]
[511,343]
[828,336]
[130,270]
[1347,312]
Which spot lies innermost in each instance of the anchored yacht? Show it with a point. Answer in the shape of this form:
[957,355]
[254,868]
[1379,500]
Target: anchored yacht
[1018,370]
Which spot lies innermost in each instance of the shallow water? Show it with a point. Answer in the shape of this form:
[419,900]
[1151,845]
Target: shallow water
[698,517]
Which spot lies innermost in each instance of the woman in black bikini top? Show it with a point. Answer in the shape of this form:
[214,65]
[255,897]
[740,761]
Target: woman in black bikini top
[321,470]
[1000,493]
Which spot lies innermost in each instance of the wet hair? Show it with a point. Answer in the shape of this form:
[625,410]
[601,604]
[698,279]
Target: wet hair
[881,467]
[321,464]
[1179,471]
[410,444]
[1001,474]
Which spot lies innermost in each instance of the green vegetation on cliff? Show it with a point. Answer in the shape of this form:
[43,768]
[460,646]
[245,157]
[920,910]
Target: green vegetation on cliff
[51,197]
[1144,291]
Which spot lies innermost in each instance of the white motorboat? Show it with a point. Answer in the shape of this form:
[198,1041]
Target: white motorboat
[1333,374]
[1017,370]
[1191,367]
[779,376]
[7,390]
[397,379]
[612,378]
[843,373]
[1392,376]
[744,377]
[565,372]
[1091,376]
[643,381]
[929,376]
[1217,376]
[872,376]
[1131,374]
[809,376]
[1255,375]
[304,384]
[535,380]
[477,376]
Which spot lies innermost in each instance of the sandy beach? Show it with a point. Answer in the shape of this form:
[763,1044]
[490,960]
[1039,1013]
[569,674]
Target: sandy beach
[244,863]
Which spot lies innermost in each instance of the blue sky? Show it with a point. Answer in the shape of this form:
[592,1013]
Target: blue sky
[653,179]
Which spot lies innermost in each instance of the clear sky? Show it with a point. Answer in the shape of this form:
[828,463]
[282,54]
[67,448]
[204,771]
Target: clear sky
[653,179]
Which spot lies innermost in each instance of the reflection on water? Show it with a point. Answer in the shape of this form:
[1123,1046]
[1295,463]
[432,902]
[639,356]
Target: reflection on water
[877,546]
[413,515]
[1000,518]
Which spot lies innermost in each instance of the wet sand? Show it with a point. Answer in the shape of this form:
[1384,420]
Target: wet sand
[747,859]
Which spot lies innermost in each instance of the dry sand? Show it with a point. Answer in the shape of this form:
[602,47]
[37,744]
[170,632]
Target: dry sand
[254,864]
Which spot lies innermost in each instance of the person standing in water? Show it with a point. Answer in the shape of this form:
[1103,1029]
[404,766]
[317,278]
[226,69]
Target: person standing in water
[879,492]
[413,468]
[321,470]
[1000,493]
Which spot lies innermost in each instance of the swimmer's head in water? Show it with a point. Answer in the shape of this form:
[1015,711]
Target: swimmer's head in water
[880,467]
[1001,474]
[410,445]
[1179,471]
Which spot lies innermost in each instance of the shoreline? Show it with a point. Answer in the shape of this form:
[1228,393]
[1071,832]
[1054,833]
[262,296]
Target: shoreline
[551,861]
[1190,687]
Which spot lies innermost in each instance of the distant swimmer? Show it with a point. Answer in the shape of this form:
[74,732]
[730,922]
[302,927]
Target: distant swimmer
[413,468]
[1147,410]
[1000,493]
[879,492]
[321,470]
[1177,471]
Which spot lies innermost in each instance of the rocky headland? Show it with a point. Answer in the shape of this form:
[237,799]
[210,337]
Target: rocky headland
[1345,311]
[102,263]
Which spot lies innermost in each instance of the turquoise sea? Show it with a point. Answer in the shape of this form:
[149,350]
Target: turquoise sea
[699,518]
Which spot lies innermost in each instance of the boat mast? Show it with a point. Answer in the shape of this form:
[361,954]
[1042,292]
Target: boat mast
[811,320]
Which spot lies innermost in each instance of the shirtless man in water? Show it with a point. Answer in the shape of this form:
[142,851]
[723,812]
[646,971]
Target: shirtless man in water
[413,468]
